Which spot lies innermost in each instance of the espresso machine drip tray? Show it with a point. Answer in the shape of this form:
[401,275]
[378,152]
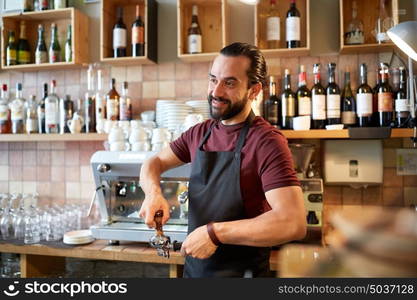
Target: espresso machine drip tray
[119,197]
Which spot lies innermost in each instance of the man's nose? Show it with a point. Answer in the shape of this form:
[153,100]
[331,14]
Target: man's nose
[218,90]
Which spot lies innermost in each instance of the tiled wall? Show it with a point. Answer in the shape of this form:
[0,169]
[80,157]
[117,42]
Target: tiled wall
[60,171]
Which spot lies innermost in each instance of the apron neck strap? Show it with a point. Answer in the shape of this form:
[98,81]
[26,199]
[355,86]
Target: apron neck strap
[242,134]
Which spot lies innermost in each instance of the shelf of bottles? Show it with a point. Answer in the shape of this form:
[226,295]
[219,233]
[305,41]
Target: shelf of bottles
[202,29]
[128,32]
[72,37]
[363,25]
[282,27]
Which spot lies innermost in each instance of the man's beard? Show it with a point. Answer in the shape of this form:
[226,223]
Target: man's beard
[230,111]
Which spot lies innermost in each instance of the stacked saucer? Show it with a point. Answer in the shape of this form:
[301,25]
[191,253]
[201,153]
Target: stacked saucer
[174,115]
[78,237]
[200,107]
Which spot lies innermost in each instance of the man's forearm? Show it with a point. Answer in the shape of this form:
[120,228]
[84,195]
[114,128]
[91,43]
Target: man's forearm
[266,230]
[150,176]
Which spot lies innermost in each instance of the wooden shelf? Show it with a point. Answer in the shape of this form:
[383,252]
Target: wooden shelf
[213,19]
[63,18]
[367,12]
[52,137]
[337,134]
[260,28]
[148,11]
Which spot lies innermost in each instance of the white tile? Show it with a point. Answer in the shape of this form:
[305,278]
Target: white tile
[4,173]
[86,174]
[87,190]
[73,190]
[29,187]
[15,187]
[58,145]
[167,89]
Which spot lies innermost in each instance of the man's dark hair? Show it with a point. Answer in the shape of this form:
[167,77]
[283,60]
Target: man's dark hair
[257,70]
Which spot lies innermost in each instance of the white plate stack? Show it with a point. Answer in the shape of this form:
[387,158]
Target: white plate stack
[174,115]
[200,107]
[161,111]
[78,237]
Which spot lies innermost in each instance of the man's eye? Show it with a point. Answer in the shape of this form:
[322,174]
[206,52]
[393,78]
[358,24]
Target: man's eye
[230,83]
[213,80]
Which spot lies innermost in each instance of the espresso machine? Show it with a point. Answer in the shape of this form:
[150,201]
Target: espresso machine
[311,185]
[120,197]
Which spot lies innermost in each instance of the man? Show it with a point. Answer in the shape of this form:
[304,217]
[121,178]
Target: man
[244,196]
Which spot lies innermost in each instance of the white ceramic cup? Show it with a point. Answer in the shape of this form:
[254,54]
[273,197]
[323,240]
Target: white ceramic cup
[100,123]
[301,123]
[109,125]
[139,134]
[135,124]
[160,135]
[148,115]
[141,146]
[116,135]
[119,146]
[75,125]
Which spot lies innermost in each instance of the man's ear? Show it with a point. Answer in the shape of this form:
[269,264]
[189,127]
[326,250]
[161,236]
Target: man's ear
[254,90]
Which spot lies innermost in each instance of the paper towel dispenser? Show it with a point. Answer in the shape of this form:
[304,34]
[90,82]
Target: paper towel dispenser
[353,162]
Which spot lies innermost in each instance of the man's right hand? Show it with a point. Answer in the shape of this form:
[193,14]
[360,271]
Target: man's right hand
[150,206]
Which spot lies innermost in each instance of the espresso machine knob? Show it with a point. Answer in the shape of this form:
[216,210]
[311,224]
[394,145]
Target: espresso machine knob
[103,168]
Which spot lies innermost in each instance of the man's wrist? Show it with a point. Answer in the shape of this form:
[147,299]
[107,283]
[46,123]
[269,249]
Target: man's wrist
[212,234]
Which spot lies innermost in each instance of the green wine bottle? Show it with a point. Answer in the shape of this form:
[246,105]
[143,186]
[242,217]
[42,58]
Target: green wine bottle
[41,52]
[68,45]
[23,48]
[54,48]
[11,54]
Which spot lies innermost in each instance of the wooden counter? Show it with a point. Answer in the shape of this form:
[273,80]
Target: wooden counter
[41,260]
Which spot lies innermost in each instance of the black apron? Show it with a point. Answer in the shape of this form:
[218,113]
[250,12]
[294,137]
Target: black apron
[215,196]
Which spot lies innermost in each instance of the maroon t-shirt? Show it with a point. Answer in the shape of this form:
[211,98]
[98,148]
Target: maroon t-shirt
[266,161]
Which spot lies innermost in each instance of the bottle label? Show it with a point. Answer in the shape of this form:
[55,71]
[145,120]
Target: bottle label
[272,29]
[348,117]
[319,107]
[59,4]
[16,109]
[272,116]
[51,110]
[41,57]
[288,107]
[304,106]
[385,103]
[364,105]
[194,43]
[401,105]
[119,38]
[124,113]
[4,113]
[333,106]
[53,56]
[100,107]
[112,109]
[11,56]
[293,28]
[68,53]
[24,57]
[31,125]
[137,35]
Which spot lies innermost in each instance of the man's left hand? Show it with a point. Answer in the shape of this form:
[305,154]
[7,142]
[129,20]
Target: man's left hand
[198,244]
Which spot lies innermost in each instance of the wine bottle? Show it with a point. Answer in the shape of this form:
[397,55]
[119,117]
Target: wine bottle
[364,99]
[31,115]
[375,114]
[385,99]
[402,107]
[41,53]
[60,4]
[44,4]
[41,110]
[348,104]
[23,48]
[273,105]
[90,103]
[318,101]
[27,5]
[119,35]
[17,109]
[100,98]
[54,47]
[52,111]
[125,104]
[5,117]
[66,111]
[11,50]
[273,26]
[293,32]
[138,35]
[303,94]
[68,44]
[288,103]
[333,97]
[112,101]
[194,33]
